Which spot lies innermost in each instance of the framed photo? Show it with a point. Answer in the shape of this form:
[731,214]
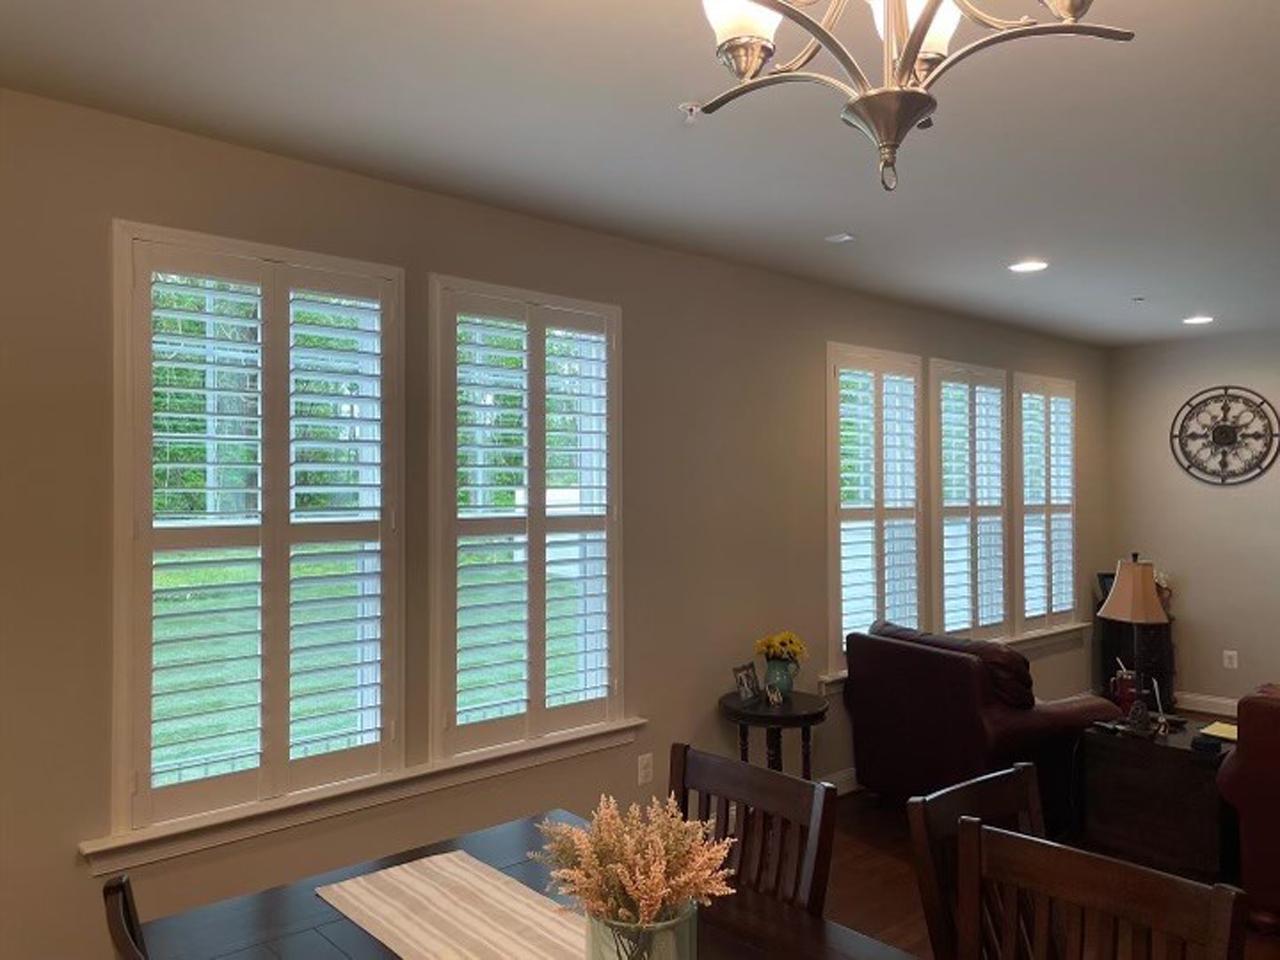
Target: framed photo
[747,681]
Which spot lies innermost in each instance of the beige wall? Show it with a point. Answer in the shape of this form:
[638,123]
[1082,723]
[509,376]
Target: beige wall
[1220,546]
[724,511]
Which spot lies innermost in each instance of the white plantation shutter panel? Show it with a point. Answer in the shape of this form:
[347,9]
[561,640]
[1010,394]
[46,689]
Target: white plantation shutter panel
[875,428]
[205,393]
[534,606]
[492,592]
[577,486]
[969,498]
[260,631]
[1047,500]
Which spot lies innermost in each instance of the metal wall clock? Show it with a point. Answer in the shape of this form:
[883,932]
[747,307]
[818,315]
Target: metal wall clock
[1226,435]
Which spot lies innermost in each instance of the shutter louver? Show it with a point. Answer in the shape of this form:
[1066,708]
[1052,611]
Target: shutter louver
[492,627]
[577,428]
[335,649]
[857,418]
[206,664]
[901,595]
[335,418]
[577,618]
[492,417]
[991,571]
[1062,546]
[1035,564]
[206,368]
[957,574]
[898,429]
[857,575]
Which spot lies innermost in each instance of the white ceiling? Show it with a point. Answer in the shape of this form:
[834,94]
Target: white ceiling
[1144,169]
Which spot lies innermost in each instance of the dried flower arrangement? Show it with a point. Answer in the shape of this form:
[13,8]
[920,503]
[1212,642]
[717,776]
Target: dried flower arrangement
[637,869]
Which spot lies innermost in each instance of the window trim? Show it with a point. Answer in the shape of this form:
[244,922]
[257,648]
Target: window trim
[846,356]
[951,371]
[1050,387]
[447,294]
[130,729]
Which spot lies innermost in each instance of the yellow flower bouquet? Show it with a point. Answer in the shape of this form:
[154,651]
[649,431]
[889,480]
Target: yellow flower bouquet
[782,646]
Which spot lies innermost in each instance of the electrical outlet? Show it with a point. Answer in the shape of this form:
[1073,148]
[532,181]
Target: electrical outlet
[644,769]
[1230,660]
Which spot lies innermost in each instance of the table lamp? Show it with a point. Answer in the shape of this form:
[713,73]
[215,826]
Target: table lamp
[1133,599]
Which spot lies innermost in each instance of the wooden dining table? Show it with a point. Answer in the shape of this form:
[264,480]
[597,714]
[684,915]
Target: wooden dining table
[292,923]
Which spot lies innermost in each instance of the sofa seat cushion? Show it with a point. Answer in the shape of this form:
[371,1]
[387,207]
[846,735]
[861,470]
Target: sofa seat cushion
[1008,670]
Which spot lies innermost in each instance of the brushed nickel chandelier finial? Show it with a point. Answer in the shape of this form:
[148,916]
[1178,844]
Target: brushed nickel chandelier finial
[916,38]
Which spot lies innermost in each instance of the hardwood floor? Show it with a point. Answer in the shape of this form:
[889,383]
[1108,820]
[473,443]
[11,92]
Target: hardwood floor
[872,888]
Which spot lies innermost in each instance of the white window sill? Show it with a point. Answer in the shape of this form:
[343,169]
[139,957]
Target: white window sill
[175,838]
[1027,642]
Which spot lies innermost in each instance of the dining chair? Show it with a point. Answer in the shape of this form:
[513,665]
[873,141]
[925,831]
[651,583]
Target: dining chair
[783,826]
[1008,798]
[122,919]
[1048,900]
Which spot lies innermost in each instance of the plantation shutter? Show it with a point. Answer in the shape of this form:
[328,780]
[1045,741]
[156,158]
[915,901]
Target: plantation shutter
[876,429]
[259,558]
[336,590]
[533,541]
[1047,461]
[970,499]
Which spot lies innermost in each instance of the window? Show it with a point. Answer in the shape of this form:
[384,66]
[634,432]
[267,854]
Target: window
[875,507]
[1046,487]
[969,518]
[261,570]
[527,627]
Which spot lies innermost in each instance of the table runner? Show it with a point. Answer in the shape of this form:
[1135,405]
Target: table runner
[453,907]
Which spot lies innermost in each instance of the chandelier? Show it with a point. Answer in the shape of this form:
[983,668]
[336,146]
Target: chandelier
[916,37]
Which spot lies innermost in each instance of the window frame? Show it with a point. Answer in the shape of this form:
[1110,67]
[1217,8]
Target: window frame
[949,371]
[136,248]
[539,312]
[1050,387]
[842,356]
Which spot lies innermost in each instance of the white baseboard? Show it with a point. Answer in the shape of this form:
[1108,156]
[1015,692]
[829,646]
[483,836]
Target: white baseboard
[1205,703]
[845,781]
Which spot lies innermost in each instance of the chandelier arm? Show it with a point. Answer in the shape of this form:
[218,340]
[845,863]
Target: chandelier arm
[1035,30]
[773,79]
[987,20]
[824,37]
[811,49]
[907,60]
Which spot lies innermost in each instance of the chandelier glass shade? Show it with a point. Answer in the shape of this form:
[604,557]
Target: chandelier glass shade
[915,38]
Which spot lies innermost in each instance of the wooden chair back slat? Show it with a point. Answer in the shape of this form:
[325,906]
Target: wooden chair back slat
[1007,798]
[783,826]
[122,919]
[1058,903]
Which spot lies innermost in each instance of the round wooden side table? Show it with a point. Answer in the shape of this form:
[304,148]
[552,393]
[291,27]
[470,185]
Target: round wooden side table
[803,710]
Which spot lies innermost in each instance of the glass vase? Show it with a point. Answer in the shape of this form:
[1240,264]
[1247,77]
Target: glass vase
[674,939]
[781,674]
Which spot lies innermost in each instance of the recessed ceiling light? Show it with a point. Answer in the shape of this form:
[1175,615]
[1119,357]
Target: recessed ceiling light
[1029,266]
[1197,321]
[840,238]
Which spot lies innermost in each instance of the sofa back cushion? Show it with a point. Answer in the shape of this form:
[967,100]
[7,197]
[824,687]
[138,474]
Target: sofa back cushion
[1007,669]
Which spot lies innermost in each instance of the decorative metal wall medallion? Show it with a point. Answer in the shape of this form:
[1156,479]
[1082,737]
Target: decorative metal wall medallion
[1226,435]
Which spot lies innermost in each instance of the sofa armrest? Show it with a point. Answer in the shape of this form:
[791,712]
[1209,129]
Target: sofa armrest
[1016,733]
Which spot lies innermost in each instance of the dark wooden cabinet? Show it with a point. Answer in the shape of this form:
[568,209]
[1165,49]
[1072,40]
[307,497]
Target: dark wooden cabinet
[1156,802]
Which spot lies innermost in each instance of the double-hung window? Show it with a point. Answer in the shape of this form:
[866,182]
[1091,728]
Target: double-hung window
[527,541]
[875,509]
[1045,483]
[260,563]
[969,513]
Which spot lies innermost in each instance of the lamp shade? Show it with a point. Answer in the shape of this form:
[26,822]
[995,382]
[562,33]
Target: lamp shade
[938,39]
[737,19]
[1133,597]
